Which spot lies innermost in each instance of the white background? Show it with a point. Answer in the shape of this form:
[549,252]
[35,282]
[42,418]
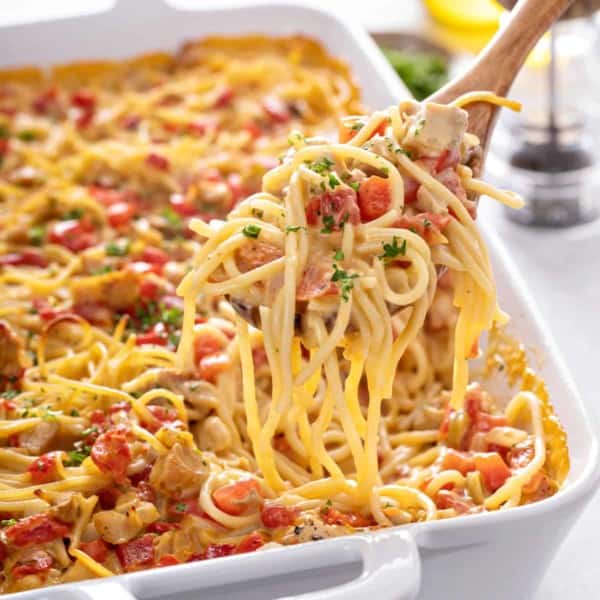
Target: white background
[562,269]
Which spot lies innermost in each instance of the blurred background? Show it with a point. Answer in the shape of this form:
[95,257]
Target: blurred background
[548,153]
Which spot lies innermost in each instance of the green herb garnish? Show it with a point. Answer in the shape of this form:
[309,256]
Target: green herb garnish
[419,127]
[73,215]
[338,255]
[294,228]
[8,522]
[89,431]
[251,230]
[354,185]
[333,181]
[181,507]
[76,457]
[257,212]
[36,235]
[321,166]
[328,224]
[344,280]
[172,316]
[118,248]
[26,135]
[391,251]
[9,394]
[171,217]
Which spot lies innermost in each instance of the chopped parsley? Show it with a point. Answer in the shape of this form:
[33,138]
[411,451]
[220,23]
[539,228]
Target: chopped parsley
[328,224]
[338,255]
[36,235]
[294,228]
[257,212]
[419,127]
[385,171]
[344,281]
[426,222]
[172,316]
[321,166]
[26,135]
[171,217]
[354,185]
[9,394]
[403,151]
[3,132]
[89,431]
[102,270]
[76,457]
[356,126]
[8,522]
[74,412]
[251,230]
[333,181]
[181,507]
[73,215]
[118,248]
[391,251]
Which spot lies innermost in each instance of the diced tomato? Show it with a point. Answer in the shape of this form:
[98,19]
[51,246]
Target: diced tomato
[214,551]
[493,469]
[448,159]
[162,416]
[98,549]
[96,313]
[276,515]
[155,256]
[142,267]
[521,454]
[211,366]
[250,543]
[121,213]
[46,101]
[182,206]
[4,146]
[157,161]
[44,468]
[374,198]
[28,258]
[316,282]
[427,225]
[112,455]
[224,97]
[39,563]
[145,492]
[411,187]
[340,204]
[37,529]
[76,235]
[276,109]
[107,196]
[136,554]
[253,129]
[3,548]
[167,560]
[98,417]
[161,527]
[235,498]
[149,289]
[345,134]
[255,254]
[119,406]
[186,507]
[450,179]
[202,127]
[332,516]
[157,335]
[131,122]
[83,99]
[452,499]
[107,497]
[458,461]
[206,344]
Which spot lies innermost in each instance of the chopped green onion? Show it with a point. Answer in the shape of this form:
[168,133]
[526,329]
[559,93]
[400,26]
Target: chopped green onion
[251,230]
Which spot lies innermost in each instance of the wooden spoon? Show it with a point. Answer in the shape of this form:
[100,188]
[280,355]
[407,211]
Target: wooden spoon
[498,65]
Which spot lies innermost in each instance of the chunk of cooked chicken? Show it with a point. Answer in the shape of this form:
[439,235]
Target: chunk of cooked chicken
[180,473]
[310,527]
[435,128]
[212,434]
[13,359]
[200,396]
[126,521]
[39,438]
[119,290]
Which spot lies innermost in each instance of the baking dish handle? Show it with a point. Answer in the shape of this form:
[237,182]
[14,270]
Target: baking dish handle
[391,569]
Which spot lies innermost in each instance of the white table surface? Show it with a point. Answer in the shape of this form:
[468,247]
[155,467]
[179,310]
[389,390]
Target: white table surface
[568,296]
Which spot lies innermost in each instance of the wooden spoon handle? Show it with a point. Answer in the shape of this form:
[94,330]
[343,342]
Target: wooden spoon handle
[497,66]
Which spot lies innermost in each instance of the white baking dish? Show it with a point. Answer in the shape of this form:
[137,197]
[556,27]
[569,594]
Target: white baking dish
[493,556]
